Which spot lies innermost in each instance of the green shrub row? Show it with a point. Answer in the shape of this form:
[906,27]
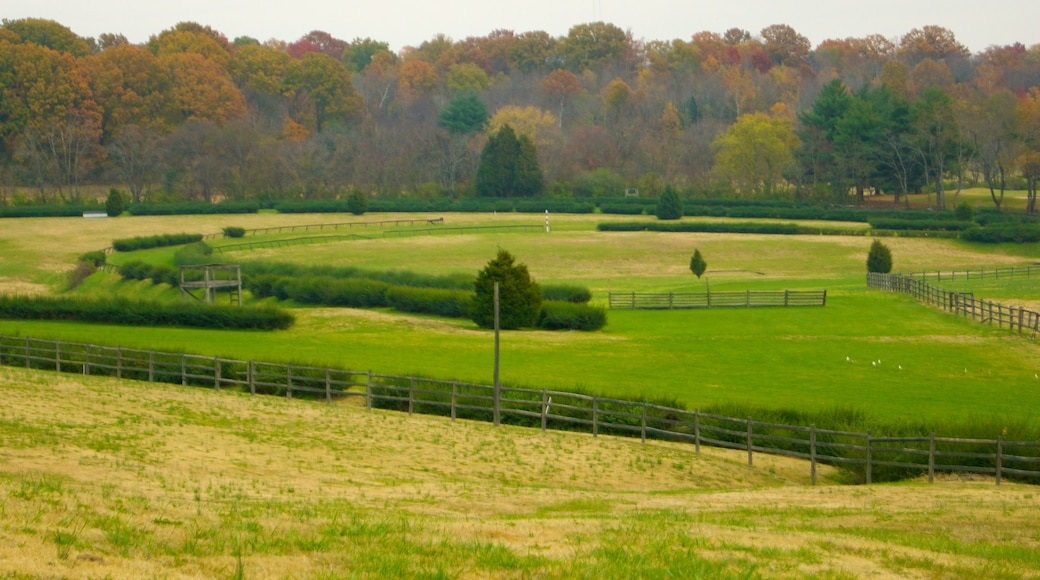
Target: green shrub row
[96,258]
[711,227]
[1018,233]
[196,208]
[32,211]
[158,241]
[157,273]
[392,277]
[419,205]
[566,293]
[896,224]
[193,254]
[234,232]
[438,301]
[556,315]
[137,313]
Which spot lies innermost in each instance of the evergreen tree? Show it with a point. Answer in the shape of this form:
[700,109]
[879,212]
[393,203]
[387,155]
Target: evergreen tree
[697,264]
[509,166]
[115,204]
[519,297]
[465,114]
[879,260]
[669,206]
[357,202]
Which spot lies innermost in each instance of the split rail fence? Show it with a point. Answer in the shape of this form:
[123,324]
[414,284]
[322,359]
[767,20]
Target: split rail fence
[874,458]
[963,304]
[737,299]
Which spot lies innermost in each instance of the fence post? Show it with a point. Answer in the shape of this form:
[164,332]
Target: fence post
[595,417]
[671,300]
[251,376]
[216,373]
[288,381]
[545,408]
[749,438]
[57,356]
[184,371]
[328,387]
[368,391]
[1000,457]
[119,362]
[931,458]
[27,352]
[785,297]
[870,458]
[697,431]
[411,395]
[825,297]
[642,425]
[454,396]
[812,454]
[151,366]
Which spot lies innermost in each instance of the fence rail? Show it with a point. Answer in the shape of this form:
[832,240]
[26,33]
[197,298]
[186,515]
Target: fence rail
[333,227]
[1021,320]
[547,409]
[980,274]
[245,246]
[738,299]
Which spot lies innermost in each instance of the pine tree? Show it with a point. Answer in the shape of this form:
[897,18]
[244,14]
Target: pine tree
[697,264]
[519,297]
[669,206]
[509,166]
[879,260]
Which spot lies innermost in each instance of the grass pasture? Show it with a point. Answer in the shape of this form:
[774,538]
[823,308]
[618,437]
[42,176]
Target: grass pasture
[101,478]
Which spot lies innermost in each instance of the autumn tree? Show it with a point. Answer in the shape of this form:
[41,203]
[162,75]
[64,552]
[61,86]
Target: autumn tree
[936,136]
[785,46]
[594,45]
[49,34]
[323,92]
[559,87]
[753,154]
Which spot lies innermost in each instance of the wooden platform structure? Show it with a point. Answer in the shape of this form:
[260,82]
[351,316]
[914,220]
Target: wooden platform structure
[215,277]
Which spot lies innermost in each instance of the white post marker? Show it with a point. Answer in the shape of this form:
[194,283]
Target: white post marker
[546,221]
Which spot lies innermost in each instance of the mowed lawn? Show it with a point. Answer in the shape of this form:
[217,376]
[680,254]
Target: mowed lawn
[880,353]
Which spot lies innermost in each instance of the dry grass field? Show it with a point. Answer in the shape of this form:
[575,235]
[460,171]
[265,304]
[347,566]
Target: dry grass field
[108,479]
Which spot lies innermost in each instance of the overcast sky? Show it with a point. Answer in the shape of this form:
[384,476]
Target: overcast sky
[977,24]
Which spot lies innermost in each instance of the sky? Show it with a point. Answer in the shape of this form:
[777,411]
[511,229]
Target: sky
[401,23]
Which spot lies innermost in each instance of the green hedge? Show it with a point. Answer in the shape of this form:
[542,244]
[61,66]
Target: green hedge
[193,254]
[96,258]
[196,208]
[896,224]
[335,292]
[711,227]
[566,293]
[450,303]
[158,241]
[33,211]
[158,273]
[393,277]
[570,316]
[1017,233]
[134,313]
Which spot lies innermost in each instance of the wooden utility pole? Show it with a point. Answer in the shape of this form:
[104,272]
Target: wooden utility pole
[498,387]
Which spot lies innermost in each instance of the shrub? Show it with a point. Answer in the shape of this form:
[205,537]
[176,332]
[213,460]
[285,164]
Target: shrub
[879,259]
[95,258]
[697,263]
[336,292]
[451,303]
[234,232]
[520,298]
[564,293]
[163,274]
[669,206]
[964,212]
[556,315]
[357,202]
[193,254]
[135,270]
[261,286]
[115,204]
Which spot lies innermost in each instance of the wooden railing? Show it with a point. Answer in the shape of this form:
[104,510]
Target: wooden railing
[384,233]
[980,274]
[739,299]
[1021,320]
[545,409]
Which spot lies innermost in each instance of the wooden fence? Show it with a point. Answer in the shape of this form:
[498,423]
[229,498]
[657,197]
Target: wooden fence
[963,304]
[334,227]
[980,274]
[739,299]
[876,458]
[384,233]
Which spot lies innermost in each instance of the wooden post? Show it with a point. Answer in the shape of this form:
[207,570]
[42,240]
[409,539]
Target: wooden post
[251,376]
[119,362]
[288,381]
[497,392]
[785,296]
[671,300]
[216,373]
[411,395]
[151,366]
[328,387]
[642,428]
[931,458]
[454,395]
[86,360]
[824,298]
[1000,457]
[27,352]
[57,356]
[697,430]
[749,440]
[595,417]
[368,391]
[184,371]
[870,458]
[812,454]
[545,407]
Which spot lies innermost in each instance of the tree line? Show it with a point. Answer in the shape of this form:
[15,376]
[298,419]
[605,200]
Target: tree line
[192,116]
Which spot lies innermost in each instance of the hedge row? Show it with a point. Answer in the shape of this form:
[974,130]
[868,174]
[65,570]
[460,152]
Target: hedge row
[197,208]
[418,205]
[157,273]
[1018,233]
[557,315]
[392,277]
[450,303]
[193,254]
[31,211]
[919,224]
[710,227]
[566,293]
[159,241]
[136,313]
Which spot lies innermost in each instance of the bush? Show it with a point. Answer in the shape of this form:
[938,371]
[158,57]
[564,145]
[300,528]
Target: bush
[963,212]
[357,202]
[115,204]
[879,260]
[697,264]
[158,241]
[135,270]
[234,232]
[556,315]
[669,206]
[450,303]
[1017,233]
[193,254]
[135,313]
[95,258]
[564,293]
[520,298]
[336,292]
